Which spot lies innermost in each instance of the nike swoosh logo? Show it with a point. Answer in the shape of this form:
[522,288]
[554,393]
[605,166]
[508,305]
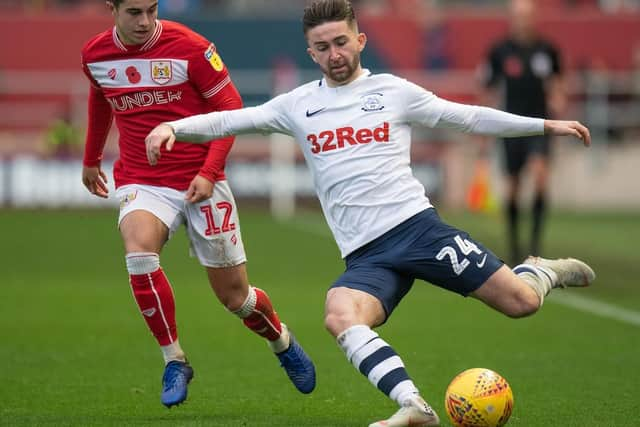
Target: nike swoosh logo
[481,263]
[313,113]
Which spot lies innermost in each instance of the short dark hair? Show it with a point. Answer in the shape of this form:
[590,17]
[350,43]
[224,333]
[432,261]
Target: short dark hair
[321,11]
[116,3]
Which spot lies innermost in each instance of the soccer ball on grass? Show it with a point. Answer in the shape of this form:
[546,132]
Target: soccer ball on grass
[479,398]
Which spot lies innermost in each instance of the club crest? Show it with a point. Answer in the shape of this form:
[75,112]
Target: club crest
[372,102]
[161,72]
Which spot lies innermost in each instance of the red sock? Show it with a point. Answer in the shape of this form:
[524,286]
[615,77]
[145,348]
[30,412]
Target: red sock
[262,319]
[154,296]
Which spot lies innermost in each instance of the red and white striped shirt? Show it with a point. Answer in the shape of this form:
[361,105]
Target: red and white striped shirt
[176,73]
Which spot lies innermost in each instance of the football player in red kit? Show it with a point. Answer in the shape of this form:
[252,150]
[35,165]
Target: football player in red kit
[143,72]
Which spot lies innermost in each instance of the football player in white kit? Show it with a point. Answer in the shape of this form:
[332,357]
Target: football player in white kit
[354,128]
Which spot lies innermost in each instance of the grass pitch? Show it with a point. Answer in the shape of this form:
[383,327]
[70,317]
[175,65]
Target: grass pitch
[75,351]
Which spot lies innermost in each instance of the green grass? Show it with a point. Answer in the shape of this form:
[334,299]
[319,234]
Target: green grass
[74,351]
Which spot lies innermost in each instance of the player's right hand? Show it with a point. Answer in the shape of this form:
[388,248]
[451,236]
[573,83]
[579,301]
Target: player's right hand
[568,128]
[161,134]
[95,180]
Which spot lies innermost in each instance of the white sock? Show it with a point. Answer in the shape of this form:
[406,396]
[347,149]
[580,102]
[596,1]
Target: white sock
[248,305]
[142,262]
[375,359]
[282,343]
[540,279]
[172,352]
[247,308]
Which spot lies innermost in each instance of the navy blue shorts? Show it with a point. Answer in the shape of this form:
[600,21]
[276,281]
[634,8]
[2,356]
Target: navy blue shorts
[423,247]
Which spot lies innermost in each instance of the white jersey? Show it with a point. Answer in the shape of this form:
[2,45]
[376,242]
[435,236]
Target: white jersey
[356,140]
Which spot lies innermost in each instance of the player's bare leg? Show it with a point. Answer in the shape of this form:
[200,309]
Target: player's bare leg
[254,307]
[520,292]
[144,235]
[350,316]
[508,293]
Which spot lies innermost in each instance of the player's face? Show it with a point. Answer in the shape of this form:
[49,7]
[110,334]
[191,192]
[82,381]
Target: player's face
[135,20]
[522,18]
[336,48]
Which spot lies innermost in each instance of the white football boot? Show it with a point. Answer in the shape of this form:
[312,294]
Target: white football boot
[415,412]
[568,271]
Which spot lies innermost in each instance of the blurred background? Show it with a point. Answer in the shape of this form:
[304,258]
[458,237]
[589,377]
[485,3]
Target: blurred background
[438,44]
[74,349]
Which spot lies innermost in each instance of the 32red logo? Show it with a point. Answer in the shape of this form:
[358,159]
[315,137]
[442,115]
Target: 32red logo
[329,140]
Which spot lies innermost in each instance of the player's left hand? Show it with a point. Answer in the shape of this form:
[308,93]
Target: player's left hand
[161,134]
[200,189]
[568,128]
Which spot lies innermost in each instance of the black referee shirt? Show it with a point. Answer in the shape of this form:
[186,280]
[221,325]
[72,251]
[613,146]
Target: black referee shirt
[524,70]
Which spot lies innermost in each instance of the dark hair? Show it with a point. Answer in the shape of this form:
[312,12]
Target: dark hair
[321,11]
[116,3]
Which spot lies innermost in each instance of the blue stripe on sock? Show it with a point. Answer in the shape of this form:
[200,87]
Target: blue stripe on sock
[525,269]
[375,358]
[392,379]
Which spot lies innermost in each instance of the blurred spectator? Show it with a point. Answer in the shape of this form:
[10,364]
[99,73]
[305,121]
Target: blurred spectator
[63,139]
[436,36]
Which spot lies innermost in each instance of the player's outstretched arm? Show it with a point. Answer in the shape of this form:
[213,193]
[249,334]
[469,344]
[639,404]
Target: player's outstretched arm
[202,128]
[568,128]
[161,134]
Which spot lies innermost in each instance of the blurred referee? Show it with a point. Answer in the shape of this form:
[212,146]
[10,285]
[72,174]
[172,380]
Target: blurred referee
[528,70]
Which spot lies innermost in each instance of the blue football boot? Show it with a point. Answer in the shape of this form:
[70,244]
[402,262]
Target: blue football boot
[174,383]
[298,366]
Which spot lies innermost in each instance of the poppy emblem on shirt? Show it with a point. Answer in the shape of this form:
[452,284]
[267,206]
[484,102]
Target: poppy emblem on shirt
[372,102]
[133,75]
[112,74]
[161,72]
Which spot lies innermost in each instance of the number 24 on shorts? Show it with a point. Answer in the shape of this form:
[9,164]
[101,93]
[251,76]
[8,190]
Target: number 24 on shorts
[466,247]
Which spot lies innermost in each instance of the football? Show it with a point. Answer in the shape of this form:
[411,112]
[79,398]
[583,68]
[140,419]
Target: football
[479,398]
